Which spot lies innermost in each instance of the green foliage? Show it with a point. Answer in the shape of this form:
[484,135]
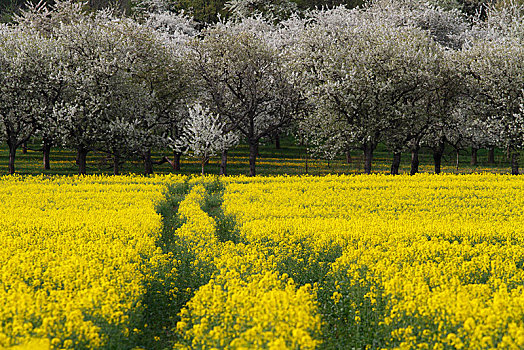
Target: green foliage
[175,280]
[226,228]
[352,319]
[7,8]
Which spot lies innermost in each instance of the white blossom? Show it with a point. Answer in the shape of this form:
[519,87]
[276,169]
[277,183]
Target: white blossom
[28,85]
[204,135]
[271,9]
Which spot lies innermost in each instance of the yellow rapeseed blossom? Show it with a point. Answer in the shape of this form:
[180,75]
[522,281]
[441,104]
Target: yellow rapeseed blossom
[406,262]
[247,304]
[74,257]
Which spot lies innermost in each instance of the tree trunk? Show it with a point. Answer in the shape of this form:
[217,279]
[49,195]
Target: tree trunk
[491,155]
[253,152]
[438,151]
[277,140]
[307,160]
[148,163]
[12,155]
[24,148]
[414,160]
[176,160]
[116,164]
[348,157]
[515,163]
[307,165]
[458,159]
[474,156]
[81,157]
[368,157]
[396,163]
[46,149]
[223,163]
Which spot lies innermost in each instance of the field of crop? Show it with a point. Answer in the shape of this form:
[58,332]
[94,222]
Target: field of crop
[335,262]
[396,262]
[76,254]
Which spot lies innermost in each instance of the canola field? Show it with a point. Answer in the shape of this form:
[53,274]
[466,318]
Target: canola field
[75,255]
[335,262]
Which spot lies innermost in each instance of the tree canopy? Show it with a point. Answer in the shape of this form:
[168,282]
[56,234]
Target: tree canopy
[403,73]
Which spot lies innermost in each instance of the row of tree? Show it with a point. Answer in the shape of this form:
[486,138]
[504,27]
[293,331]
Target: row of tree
[399,72]
[210,11]
[203,12]
[411,74]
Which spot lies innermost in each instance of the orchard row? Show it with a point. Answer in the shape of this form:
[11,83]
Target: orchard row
[406,74]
